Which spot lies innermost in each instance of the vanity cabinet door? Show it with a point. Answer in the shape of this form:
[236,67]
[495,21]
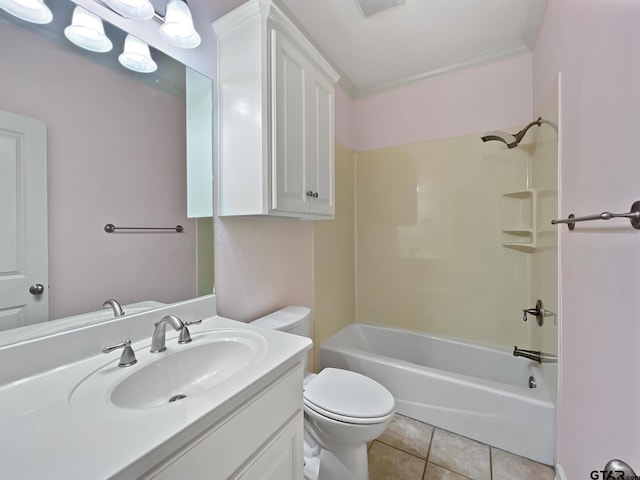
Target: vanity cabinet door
[266,431]
[281,459]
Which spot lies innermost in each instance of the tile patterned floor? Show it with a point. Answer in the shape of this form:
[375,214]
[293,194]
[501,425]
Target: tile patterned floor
[412,450]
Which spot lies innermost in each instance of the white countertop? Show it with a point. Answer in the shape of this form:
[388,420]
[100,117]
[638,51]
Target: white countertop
[45,435]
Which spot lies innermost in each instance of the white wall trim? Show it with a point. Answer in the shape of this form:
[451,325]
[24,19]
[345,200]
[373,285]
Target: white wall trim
[480,59]
[560,475]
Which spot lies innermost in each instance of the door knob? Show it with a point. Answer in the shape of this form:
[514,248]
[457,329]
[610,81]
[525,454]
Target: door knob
[619,467]
[37,289]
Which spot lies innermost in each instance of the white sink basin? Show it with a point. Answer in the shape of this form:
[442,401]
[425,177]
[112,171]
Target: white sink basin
[176,375]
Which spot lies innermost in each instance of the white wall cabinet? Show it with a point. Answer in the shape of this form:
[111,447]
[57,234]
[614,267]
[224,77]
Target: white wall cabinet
[275,134]
[262,439]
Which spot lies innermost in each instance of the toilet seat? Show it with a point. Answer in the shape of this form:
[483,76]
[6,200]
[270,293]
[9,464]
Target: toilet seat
[348,397]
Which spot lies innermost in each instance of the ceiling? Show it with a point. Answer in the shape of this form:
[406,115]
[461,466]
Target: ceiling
[412,41]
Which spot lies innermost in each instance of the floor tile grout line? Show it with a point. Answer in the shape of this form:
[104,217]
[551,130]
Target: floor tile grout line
[426,462]
[490,462]
[449,470]
[426,458]
[433,431]
[398,448]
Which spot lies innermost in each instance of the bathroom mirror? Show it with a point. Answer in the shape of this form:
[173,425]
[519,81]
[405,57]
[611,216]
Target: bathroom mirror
[116,154]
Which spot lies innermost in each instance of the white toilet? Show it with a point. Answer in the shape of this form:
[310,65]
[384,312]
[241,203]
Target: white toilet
[343,410]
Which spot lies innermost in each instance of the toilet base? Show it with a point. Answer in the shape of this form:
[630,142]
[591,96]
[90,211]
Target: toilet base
[349,462]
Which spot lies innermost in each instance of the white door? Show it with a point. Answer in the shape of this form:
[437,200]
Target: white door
[289,70]
[23,221]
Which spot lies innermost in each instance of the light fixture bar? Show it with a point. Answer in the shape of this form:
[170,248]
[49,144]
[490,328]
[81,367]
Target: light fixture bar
[138,9]
[176,27]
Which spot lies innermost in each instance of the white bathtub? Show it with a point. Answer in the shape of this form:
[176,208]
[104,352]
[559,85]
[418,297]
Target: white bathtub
[476,391]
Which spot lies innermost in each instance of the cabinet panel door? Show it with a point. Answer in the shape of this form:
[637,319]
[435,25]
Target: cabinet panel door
[281,459]
[320,144]
[288,155]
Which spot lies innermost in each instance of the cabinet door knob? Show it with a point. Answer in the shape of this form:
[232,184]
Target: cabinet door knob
[315,195]
[309,193]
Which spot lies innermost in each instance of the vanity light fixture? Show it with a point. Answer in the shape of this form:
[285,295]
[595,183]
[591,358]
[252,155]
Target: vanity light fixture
[34,11]
[87,31]
[177,28]
[138,9]
[136,56]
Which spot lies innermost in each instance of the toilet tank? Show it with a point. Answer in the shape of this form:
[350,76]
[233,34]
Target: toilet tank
[296,320]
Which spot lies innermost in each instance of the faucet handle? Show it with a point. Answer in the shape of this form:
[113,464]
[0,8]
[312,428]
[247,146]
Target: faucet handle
[185,336]
[537,312]
[128,356]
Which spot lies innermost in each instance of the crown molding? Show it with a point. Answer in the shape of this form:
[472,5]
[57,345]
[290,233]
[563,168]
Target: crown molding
[486,57]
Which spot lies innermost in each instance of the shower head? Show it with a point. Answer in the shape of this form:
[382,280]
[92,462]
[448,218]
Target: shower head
[510,140]
[503,137]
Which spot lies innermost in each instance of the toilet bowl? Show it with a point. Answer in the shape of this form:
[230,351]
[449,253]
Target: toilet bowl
[343,410]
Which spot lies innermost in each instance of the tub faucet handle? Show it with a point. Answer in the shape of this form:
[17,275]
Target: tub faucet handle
[537,312]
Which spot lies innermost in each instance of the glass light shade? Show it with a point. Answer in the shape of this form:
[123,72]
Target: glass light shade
[139,9]
[34,11]
[178,26]
[136,56]
[86,31]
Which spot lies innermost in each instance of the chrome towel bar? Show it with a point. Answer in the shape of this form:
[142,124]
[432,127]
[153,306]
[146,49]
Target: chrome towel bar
[633,216]
[110,228]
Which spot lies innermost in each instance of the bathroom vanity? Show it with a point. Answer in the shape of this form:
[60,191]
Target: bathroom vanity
[226,405]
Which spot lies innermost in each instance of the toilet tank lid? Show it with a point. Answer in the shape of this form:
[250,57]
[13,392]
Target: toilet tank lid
[284,319]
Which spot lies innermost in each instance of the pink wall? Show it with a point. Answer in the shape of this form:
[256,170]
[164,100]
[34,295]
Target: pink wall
[594,43]
[102,170]
[478,99]
[261,265]
[344,125]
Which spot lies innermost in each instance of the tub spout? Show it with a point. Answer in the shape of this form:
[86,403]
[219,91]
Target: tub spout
[535,355]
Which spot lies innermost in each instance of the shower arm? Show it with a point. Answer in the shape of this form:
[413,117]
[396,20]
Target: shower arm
[520,135]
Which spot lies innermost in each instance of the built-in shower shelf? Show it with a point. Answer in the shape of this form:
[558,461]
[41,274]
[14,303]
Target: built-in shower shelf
[525,216]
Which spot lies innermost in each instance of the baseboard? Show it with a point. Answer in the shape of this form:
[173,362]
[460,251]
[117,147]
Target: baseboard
[560,473]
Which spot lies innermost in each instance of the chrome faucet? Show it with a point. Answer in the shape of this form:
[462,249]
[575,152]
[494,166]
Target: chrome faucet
[158,339]
[117,309]
[535,355]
